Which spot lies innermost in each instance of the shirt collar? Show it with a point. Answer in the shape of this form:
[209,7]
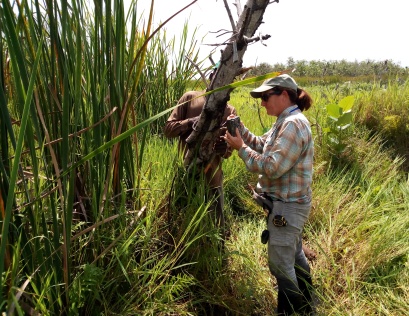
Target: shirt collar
[287,112]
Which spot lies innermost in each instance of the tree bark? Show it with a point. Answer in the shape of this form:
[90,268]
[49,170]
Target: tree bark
[205,133]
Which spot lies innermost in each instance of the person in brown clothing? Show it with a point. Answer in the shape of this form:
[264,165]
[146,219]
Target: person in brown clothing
[180,124]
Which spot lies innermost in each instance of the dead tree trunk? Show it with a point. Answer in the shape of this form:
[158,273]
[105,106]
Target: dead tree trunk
[205,133]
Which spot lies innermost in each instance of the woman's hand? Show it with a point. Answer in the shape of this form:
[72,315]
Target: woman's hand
[235,142]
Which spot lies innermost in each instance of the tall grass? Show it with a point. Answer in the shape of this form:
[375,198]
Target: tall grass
[388,115]
[358,225]
[79,81]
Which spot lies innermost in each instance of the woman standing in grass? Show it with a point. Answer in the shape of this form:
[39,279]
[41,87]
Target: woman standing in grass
[283,158]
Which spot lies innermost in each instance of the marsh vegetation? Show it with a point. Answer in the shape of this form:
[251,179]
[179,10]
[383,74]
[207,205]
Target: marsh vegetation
[99,217]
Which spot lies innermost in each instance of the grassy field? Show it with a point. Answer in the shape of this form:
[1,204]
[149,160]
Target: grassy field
[99,217]
[358,226]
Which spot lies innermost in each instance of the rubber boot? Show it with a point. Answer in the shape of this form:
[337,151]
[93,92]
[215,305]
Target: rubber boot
[283,305]
[305,284]
[289,303]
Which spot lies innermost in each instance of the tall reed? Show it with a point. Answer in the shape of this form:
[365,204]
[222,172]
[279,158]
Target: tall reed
[82,84]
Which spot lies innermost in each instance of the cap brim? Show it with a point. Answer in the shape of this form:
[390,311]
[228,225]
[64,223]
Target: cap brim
[256,93]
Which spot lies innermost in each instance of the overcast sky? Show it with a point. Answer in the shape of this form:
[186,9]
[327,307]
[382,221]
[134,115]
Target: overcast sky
[303,29]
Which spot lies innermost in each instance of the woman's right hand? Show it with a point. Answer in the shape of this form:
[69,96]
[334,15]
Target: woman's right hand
[235,142]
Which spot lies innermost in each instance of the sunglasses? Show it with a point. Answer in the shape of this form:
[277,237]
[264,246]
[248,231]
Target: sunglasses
[266,96]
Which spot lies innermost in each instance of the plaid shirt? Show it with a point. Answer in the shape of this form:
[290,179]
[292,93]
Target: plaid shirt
[282,157]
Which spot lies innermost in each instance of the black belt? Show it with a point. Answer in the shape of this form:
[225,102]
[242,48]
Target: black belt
[270,198]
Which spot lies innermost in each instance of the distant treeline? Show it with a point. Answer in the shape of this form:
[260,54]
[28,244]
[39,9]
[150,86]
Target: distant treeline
[367,69]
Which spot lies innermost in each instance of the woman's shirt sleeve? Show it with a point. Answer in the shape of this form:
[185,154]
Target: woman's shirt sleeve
[279,154]
[256,143]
